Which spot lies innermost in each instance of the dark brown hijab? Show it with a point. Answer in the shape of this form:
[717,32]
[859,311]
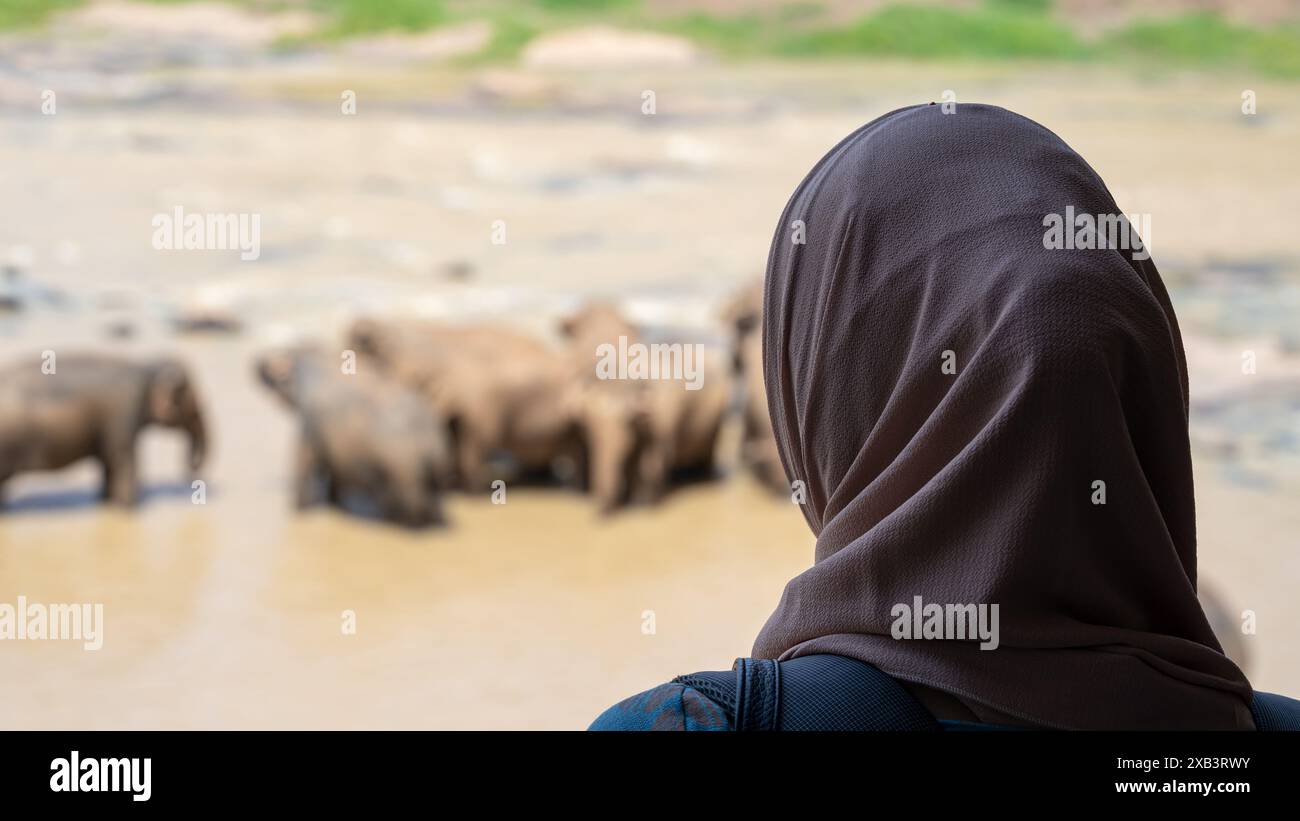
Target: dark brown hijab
[924,234]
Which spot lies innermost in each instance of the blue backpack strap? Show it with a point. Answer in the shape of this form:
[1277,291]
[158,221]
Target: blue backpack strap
[718,686]
[1273,712]
[821,692]
[758,694]
[826,692]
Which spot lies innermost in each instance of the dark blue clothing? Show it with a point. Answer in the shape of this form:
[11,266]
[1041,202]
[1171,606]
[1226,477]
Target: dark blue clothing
[666,707]
[819,692]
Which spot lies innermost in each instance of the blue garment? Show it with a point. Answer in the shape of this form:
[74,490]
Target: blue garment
[666,707]
[819,692]
[1275,713]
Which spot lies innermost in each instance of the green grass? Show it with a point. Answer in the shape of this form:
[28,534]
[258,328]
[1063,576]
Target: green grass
[509,36]
[1036,6]
[997,29]
[349,17]
[1193,37]
[734,36]
[1203,39]
[27,13]
[584,6]
[1002,29]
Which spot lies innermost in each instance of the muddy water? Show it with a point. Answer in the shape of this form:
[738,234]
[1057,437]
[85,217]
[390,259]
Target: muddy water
[230,614]
[525,614]
[532,613]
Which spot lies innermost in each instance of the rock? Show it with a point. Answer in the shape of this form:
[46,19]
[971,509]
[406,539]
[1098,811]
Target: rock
[120,329]
[457,270]
[206,320]
[605,47]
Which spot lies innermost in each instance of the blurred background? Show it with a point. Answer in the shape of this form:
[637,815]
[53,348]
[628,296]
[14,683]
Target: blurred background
[635,151]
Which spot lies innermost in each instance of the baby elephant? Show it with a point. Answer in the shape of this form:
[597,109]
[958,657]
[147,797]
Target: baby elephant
[362,436]
[93,406]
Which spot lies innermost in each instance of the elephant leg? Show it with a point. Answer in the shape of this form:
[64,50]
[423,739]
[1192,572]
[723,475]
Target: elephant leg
[390,492]
[653,470]
[416,507]
[428,492]
[413,507]
[117,454]
[608,493]
[121,485]
[431,491]
[471,460]
[708,464]
[400,492]
[433,512]
[607,472]
[308,470]
[577,451]
[582,456]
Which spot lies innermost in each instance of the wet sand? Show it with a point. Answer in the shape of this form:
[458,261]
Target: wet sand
[528,614]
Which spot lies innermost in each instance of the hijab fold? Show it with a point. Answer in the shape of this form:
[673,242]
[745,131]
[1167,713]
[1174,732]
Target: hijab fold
[977,418]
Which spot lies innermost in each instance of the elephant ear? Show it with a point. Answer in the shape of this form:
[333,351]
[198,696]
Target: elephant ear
[168,392]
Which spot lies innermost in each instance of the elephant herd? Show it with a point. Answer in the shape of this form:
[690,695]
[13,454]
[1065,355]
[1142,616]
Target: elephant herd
[406,410]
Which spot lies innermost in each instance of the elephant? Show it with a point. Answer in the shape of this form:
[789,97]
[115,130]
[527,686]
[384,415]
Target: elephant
[419,352]
[614,422]
[360,435]
[597,322]
[684,430]
[742,314]
[501,392]
[57,411]
[758,451]
[673,430]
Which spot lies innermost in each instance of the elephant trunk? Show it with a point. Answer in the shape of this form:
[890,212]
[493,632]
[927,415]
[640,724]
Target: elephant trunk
[609,455]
